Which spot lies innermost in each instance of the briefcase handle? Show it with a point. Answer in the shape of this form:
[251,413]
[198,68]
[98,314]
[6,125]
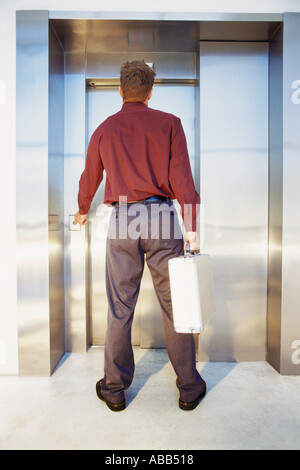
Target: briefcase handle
[188,253]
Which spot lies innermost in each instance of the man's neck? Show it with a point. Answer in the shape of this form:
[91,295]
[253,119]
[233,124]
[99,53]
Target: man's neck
[143,102]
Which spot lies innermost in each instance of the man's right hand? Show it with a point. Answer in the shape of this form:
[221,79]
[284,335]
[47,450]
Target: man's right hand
[193,239]
[80,219]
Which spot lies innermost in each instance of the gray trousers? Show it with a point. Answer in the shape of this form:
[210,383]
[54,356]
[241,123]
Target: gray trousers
[149,232]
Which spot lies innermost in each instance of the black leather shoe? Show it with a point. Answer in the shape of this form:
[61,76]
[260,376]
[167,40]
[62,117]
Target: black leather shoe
[111,406]
[189,406]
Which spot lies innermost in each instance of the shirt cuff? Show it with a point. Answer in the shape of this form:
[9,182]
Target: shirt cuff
[83,212]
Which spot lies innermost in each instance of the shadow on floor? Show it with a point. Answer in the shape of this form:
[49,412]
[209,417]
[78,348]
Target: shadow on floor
[214,372]
[155,359]
[150,364]
[61,362]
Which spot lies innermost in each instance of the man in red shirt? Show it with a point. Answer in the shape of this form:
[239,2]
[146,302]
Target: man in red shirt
[144,154]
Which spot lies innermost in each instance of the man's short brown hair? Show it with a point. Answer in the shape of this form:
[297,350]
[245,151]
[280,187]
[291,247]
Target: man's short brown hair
[137,80]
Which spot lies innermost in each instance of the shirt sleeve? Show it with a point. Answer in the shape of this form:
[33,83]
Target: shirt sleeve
[181,179]
[91,177]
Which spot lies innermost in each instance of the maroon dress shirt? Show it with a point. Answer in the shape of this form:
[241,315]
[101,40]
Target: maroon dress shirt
[144,153]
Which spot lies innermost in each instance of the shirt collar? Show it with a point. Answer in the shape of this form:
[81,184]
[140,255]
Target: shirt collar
[134,106]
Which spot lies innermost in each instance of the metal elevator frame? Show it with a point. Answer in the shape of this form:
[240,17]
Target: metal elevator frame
[44,68]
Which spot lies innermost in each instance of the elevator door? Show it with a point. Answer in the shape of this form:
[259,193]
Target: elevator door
[234,192]
[148,330]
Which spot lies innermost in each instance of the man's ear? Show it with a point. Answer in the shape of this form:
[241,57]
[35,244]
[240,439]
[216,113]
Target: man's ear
[150,94]
[121,91]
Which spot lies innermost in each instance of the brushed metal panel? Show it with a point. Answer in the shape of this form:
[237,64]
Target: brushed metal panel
[275,199]
[173,65]
[167,32]
[197,125]
[236,30]
[56,199]
[96,35]
[166,16]
[234,192]
[290,321]
[32,192]
[75,241]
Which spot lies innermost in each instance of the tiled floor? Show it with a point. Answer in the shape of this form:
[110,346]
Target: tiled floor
[248,406]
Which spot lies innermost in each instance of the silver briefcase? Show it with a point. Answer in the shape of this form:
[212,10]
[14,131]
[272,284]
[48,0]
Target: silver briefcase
[192,292]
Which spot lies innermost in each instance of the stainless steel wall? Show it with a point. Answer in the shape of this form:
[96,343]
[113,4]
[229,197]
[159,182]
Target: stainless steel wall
[283,339]
[32,192]
[56,198]
[234,192]
[77,337]
[275,199]
[39,195]
[290,318]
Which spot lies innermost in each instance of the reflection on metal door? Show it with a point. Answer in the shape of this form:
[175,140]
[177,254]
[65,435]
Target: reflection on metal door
[234,192]
[148,330]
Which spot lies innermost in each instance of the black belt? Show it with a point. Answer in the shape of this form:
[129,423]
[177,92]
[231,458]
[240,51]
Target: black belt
[148,199]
